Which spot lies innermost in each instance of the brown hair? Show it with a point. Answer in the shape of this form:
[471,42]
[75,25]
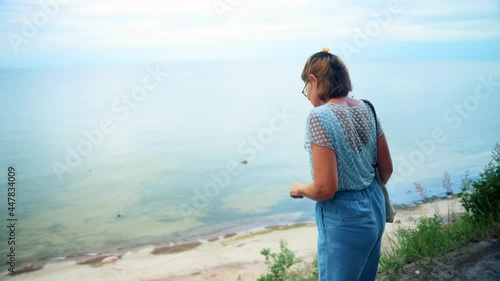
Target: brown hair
[331,72]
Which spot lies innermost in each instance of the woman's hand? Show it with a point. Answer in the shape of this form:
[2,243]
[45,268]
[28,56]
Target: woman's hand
[294,191]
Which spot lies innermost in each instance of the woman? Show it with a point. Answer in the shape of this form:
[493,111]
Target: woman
[344,147]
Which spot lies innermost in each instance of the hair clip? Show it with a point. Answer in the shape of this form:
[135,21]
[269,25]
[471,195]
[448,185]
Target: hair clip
[326,50]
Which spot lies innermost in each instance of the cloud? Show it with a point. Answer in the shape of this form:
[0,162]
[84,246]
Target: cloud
[453,30]
[451,8]
[446,21]
[149,8]
[259,25]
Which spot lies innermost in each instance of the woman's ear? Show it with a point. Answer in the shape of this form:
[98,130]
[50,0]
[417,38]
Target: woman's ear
[313,79]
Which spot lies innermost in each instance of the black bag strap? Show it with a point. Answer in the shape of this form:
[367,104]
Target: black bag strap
[374,114]
[376,123]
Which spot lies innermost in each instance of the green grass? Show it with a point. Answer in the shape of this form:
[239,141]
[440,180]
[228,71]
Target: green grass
[431,237]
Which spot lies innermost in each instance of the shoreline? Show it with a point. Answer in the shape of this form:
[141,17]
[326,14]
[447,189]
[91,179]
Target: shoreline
[226,253]
[85,261]
[222,235]
[201,234]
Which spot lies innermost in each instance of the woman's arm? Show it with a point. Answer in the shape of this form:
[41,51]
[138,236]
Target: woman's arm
[384,160]
[324,162]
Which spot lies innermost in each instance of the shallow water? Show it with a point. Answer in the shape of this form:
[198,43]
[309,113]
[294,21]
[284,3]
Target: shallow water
[164,170]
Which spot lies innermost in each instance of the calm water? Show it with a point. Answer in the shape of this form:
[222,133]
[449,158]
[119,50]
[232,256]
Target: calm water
[97,169]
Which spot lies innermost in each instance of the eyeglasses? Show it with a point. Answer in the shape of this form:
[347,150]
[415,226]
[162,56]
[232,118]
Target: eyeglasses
[304,91]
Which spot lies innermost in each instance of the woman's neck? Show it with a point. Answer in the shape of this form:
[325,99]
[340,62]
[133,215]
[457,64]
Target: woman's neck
[339,100]
[347,101]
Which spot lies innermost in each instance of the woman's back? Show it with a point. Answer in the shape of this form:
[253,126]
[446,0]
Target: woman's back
[348,129]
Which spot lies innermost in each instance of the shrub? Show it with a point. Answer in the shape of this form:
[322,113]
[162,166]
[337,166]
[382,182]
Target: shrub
[279,264]
[484,199]
[431,237]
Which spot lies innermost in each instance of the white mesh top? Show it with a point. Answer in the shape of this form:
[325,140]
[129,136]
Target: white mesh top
[350,132]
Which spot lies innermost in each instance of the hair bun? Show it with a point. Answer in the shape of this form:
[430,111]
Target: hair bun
[326,50]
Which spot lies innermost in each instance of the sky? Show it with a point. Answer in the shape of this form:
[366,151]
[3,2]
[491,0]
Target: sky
[62,32]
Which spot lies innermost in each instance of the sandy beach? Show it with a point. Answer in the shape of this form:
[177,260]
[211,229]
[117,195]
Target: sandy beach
[220,258]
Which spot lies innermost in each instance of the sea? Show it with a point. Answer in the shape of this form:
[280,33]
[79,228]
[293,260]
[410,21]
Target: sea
[109,156]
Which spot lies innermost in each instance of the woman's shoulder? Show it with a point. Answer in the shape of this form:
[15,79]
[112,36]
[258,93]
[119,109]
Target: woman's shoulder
[319,110]
[322,113]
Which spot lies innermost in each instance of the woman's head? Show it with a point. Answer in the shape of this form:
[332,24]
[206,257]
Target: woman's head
[328,75]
